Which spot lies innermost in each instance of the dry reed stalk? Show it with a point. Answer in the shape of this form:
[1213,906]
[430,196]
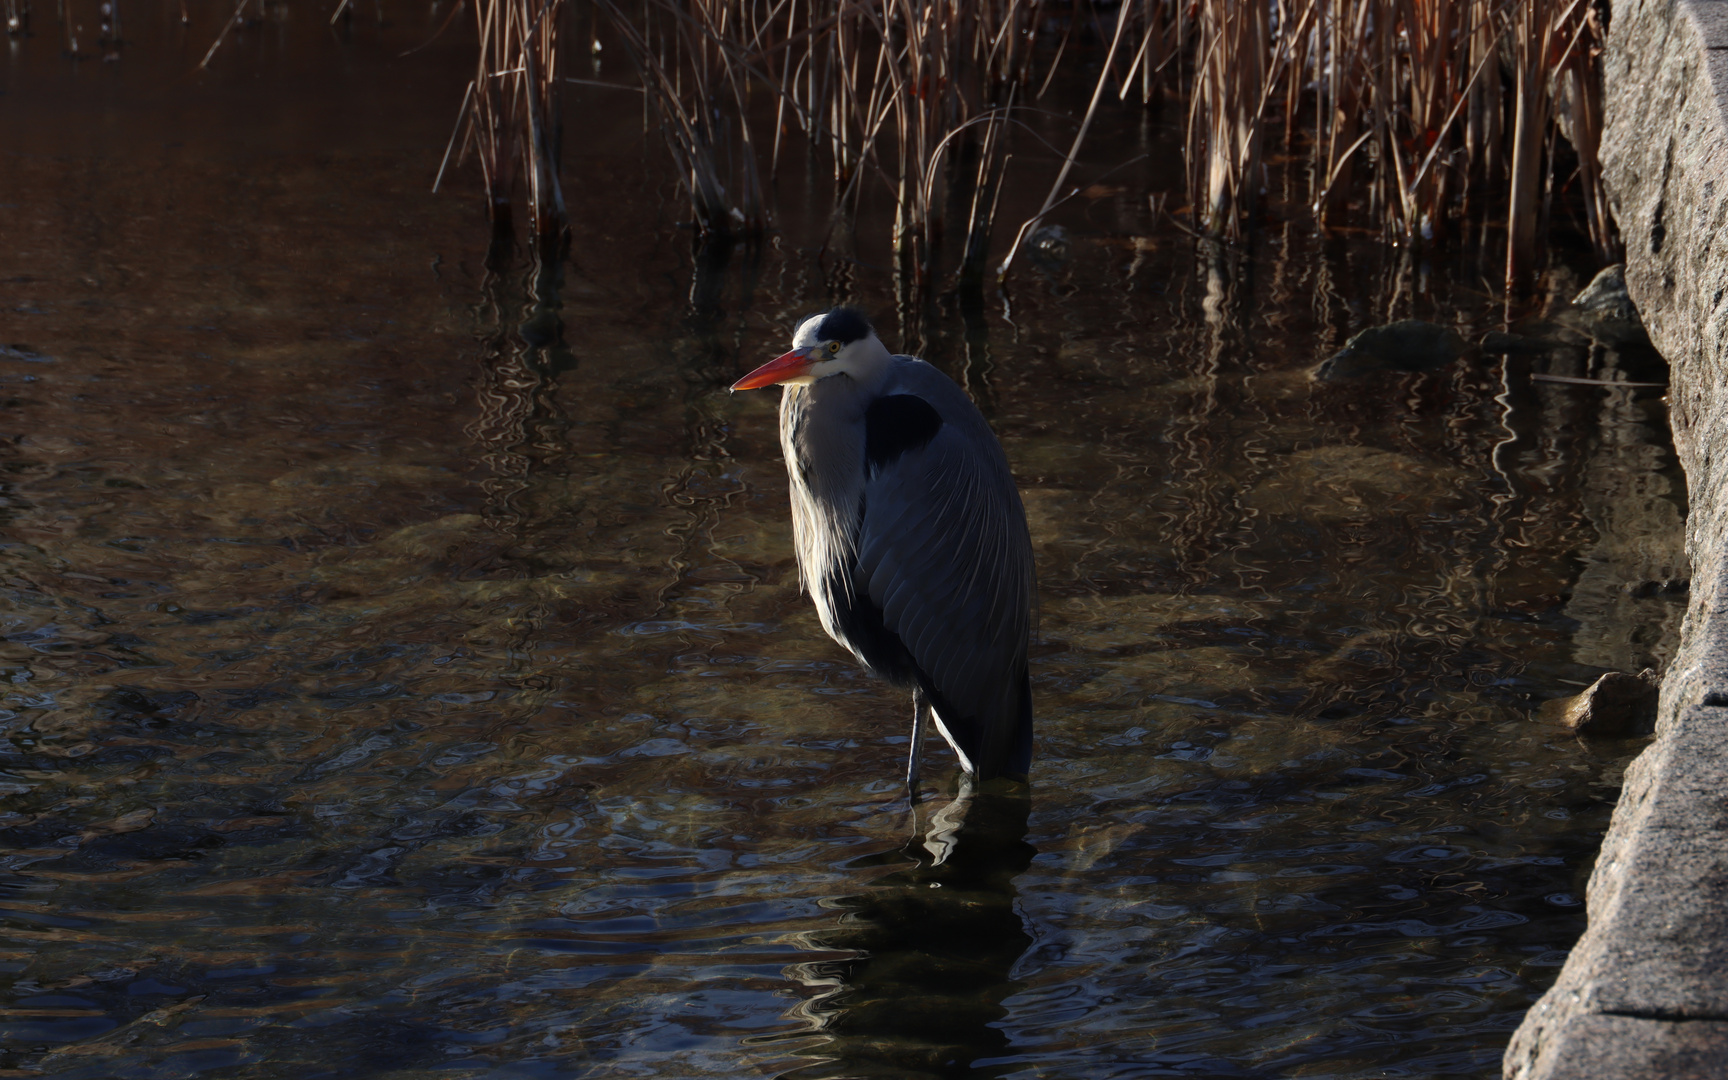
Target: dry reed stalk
[1414,106]
[1557,79]
[1340,59]
[541,90]
[913,93]
[1160,43]
[1226,108]
[986,197]
[1580,109]
[857,64]
[697,74]
[236,19]
[1432,102]
[1485,126]
[1244,55]
[1052,199]
[511,116]
[1531,40]
[927,108]
[1412,89]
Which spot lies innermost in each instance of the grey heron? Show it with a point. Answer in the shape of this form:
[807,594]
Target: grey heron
[911,538]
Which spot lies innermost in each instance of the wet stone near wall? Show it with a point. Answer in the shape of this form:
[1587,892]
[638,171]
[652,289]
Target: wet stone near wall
[1607,308]
[1405,345]
[1617,705]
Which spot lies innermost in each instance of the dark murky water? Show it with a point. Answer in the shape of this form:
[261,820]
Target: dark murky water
[390,689]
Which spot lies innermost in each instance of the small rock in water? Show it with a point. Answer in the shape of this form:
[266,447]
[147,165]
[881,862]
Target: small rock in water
[1406,345]
[1049,246]
[1617,705]
[1607,307]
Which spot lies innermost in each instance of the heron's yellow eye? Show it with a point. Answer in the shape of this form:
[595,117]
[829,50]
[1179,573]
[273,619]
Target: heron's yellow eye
[834,347]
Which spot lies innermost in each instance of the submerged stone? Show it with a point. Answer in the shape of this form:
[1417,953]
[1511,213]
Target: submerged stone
[1617,705]
[1607,308]
[1049,246]
[1406,345]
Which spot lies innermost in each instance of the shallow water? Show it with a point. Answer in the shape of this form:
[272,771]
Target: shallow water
[402,679]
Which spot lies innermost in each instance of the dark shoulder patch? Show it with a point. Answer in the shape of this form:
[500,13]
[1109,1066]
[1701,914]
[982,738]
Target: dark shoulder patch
[895,424]
[844,325]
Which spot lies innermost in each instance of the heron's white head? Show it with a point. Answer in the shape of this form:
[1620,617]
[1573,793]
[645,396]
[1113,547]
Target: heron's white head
[837,342]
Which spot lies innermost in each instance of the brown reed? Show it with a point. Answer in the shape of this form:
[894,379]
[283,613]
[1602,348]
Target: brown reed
[1419,115]
[511,119]
[915,94]
[696,70]
[1423,117]
[1434,96]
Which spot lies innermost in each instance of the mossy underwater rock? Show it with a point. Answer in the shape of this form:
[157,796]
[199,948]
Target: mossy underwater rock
[1406,345]
[1607,311]
[1615,706]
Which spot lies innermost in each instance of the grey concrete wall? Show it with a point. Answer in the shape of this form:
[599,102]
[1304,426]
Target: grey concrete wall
[1645,993]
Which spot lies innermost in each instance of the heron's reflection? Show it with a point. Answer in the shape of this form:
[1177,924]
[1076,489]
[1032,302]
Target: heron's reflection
[934,943]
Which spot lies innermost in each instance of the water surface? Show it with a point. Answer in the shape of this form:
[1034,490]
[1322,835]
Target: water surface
[404,673]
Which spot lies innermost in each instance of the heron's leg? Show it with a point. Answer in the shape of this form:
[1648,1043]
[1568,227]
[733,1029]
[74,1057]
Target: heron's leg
[920,712]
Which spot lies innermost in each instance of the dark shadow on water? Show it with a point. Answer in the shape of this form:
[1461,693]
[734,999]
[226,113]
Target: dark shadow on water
[711,258]
[934,944]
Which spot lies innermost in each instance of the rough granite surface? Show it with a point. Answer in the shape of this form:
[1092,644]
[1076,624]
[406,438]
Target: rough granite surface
[1645,992]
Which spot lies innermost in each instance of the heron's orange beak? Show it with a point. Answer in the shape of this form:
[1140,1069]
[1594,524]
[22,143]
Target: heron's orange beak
[790,365]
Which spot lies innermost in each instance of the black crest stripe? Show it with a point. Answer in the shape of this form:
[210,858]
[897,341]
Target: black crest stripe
[895,424]
[844,325]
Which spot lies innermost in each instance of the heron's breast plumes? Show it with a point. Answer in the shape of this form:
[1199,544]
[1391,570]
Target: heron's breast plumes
[824,463]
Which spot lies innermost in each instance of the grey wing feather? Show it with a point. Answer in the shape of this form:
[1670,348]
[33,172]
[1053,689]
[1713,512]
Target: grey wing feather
[944,553]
